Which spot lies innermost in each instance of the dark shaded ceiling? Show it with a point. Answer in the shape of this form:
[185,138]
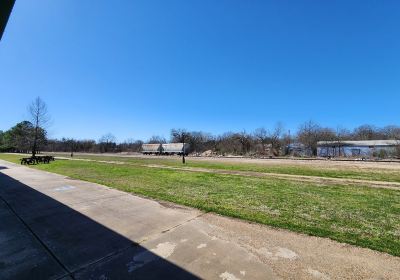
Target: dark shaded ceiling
[5,11]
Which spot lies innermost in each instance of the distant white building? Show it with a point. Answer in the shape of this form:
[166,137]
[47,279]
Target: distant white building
[368,148]
[166,149]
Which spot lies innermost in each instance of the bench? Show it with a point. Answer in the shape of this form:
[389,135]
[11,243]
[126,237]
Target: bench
[37,159]
[29,160]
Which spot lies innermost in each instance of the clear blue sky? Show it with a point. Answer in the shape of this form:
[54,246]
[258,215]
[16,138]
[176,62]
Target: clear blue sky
[126,66]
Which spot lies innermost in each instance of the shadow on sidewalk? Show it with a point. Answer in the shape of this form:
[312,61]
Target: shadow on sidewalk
[41,238]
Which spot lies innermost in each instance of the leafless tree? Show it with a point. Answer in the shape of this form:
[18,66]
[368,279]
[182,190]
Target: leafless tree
[200,141]
[40,119]
[261,135]
[391,132]
[367,132]
[181,136]
[130,145]
[342,134]
[107,143]
[245,141]
[107,138]
[308,135]
[155,139]
[227,143]
[287,140]
[397,149]
[275,138]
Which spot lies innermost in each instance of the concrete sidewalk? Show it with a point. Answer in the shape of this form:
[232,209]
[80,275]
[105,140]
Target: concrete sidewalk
[53,227]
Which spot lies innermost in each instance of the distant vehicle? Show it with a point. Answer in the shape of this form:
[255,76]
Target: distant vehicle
[149,149]
[165,149]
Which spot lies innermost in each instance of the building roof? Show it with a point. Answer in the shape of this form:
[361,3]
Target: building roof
[6,7]
[360,143]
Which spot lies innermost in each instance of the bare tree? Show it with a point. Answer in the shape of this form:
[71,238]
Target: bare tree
[107,138]
[308,135]
[261,134]
[227,143]
[71,144]
[286,141]
[397,149]
[130,145]
[40,119]
[275,138]
[199,141]
[155,139]
[342,134]
[107,143]
[182,136]
[367,132]
[245,141]
[391,132]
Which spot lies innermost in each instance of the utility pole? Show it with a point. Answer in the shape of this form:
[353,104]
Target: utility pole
[183,148]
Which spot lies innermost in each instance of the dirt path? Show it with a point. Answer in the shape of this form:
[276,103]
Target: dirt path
[320,163]
[298,256]
[300,178]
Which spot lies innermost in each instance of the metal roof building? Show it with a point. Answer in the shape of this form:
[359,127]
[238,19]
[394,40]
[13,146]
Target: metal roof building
[367,148]
[364,143]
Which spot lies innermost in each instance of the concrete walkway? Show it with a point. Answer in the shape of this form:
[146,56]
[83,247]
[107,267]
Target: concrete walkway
[53,227]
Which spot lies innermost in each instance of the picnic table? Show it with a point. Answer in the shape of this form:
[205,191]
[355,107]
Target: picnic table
[37,159]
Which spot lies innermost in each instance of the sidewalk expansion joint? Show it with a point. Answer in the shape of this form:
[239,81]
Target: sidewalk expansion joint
[108,256]
[153,236]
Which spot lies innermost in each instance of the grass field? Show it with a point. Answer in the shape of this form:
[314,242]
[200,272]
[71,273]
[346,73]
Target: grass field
[346,172]
[355,214]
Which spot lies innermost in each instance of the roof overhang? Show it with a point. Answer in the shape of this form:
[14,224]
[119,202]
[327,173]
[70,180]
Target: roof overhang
[5,11]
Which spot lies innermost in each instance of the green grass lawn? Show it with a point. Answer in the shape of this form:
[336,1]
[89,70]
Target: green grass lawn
[359,215]
[294,169]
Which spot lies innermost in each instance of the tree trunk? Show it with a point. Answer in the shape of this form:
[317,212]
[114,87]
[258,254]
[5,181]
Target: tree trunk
[35,142]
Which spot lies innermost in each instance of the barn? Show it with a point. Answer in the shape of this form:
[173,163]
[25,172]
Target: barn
[361,149]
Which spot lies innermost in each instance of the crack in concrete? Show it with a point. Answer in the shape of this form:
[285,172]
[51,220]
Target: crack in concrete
[105,258]
[156,235]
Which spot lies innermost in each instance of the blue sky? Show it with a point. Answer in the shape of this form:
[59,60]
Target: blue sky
[127,67]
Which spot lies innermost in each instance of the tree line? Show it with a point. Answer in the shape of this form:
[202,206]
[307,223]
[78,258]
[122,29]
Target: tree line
[277,141]
[31,137]
[261,142]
